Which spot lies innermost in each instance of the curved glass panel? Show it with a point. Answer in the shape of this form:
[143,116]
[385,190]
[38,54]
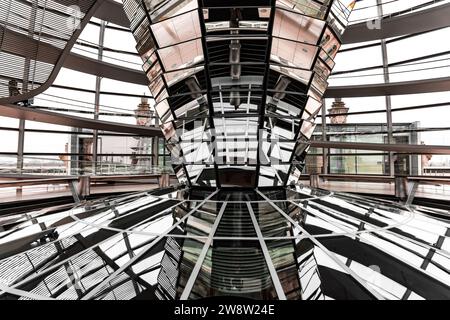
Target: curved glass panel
[240,71]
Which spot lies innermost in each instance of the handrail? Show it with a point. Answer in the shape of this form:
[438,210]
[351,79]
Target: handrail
[363,178]
[35,182]
[396,148]
[80,186]
[126,177]
[30,181]
[379,178]
[72,182]
[405,186]
[430,180]
[413,183]
[14,111]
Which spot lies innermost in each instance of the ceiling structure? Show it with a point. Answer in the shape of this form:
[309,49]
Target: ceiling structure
[393,25]
[35,39]
[48,53]
[237,88]
[164,245]
[218,75]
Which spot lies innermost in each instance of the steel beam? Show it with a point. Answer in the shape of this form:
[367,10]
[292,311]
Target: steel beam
[387,98]
[198,265]
[396,148]
[330,254]
[411,23]
[393,88]
[59,59]
[80,63]
[104,69]
[98,81]
[415,22]
[28,113]
[273,273]
[144,250]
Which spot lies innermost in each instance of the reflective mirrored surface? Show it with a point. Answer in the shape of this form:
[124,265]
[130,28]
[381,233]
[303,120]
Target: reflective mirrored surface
[295,243]
[238,85]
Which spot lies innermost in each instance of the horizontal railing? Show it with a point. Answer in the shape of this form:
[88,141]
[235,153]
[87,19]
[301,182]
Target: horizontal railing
[406,187]
[397,148]
[80,186]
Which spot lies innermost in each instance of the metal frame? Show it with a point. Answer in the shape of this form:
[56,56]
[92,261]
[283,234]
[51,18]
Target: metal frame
[325,250]
[273,273]
[208,91]
[396,148]
[262,108]
[388,100]
[372,243]
[435,18]
[60,62]
[317,205]
[34,275]
[98,81]
[195,271]
[145,249]
[25,113]
[415,22]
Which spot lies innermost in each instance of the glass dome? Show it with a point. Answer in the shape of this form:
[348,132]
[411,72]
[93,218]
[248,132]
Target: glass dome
[294,243]
[238,88]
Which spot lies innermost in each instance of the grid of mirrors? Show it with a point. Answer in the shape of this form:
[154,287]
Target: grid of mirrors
[294,243]
[237,89]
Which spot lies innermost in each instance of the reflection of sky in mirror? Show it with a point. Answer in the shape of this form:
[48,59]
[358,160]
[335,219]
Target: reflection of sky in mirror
[336,234]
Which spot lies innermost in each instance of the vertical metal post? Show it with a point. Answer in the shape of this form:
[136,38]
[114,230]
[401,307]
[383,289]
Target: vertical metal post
[26,76]
[325,151]
[101,42]
[20,148]
[155,151]
[387,98]
[73,186]
[31,29]
[20,145]
[201,258]
[273,272]
[74,150]
[155,145]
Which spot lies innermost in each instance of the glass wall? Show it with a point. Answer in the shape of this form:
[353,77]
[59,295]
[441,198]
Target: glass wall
[59,150]
[415,119]
[52,149]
